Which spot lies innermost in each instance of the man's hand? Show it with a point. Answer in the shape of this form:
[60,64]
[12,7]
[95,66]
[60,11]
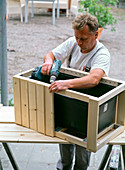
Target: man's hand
[48,61]
[89,81]
[46,67]
[59,85]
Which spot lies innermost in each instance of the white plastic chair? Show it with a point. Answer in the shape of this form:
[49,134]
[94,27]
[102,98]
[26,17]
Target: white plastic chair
[74,7]
[16,7]
[63,4]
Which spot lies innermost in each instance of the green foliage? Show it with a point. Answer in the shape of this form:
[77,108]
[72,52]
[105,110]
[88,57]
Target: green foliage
[10,102]
[100,9]
[109,2]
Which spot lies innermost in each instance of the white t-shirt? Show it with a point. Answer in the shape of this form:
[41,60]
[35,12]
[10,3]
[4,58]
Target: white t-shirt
[100,56]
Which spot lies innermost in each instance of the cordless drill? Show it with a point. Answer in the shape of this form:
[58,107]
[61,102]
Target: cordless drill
[54,72]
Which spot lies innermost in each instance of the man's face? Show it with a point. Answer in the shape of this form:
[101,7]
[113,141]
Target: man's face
[85,39]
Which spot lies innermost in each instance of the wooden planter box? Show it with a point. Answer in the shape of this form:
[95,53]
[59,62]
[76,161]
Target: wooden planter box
[87,117]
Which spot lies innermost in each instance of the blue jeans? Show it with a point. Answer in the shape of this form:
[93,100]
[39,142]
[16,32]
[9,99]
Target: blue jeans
[67,151]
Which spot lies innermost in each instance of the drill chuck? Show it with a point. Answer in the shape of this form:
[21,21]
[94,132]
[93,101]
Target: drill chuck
[52,79]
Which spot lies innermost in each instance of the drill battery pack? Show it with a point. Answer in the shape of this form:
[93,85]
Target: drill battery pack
[37,75]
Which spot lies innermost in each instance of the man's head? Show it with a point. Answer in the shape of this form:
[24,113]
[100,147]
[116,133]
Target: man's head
[86,31]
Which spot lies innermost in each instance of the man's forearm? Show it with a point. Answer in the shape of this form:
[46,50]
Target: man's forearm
[49,58]
[88,81]
[77,83]
[83,82]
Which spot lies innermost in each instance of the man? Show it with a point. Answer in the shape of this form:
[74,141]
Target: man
[82,52]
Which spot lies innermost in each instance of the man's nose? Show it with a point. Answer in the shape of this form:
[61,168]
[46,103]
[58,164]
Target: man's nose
[79,42]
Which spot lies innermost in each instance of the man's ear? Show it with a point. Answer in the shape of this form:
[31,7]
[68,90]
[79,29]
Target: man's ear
[96,34]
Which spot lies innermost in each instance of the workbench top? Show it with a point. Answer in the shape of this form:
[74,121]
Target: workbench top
[119,140]
[10,132]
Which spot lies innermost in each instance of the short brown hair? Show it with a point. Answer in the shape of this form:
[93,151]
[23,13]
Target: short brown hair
[85,19]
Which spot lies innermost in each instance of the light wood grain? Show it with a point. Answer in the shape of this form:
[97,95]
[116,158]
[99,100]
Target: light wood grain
[40,108]
[16,133]
[119,140]
[121,109]
[24,103]
[92,126]
[32,105]
[17,100]
[49,112]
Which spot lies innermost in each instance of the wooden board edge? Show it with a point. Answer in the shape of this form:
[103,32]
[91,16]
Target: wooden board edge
[70,138]
[109,136]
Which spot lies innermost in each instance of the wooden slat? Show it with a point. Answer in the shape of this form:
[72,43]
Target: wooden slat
[32,105]
[109,136]
[70,138]
[49,112]
[111,94]
[16,133]
[25,73]
[24,103]
[121,109]
[17,100]
[76,95]
[69,93]
[79,73]
[20,137]
[7,127]
[40,108]
[119,140]
[92,126]
[107,129]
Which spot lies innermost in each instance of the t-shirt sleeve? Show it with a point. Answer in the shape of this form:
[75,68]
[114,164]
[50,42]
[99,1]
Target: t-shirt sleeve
[63,50]
[102,61]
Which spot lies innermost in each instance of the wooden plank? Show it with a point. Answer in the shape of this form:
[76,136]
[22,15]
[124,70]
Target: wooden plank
[25,73]
[76,95]
[121,109]
[7,114]
[92,126]
[109,136]
[79,73]
[7,127]
[25,103]
[40,138]
[70,138]
[33,81]
[49,112]
[73,72]
[17,100]
[16,133]
[69,93]
[32,105]
[105,131]
[119,140]
[24,137]
[116,111]
[40,108]
[111,94]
